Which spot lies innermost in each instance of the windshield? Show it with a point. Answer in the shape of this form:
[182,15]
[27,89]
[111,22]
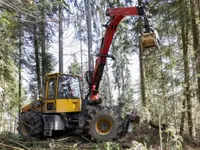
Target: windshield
[68,87]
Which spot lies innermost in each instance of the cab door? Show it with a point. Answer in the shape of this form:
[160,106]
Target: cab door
[51,90]
[69,97]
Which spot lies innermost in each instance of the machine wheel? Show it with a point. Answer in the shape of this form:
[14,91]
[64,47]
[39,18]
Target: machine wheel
[104,124]
[30,125]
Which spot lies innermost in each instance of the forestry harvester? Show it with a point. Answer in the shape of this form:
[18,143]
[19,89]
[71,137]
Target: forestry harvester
[61,109]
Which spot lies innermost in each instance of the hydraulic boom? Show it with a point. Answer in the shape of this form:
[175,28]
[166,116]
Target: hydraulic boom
[116,15]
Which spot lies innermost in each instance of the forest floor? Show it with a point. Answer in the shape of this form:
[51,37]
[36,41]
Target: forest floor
[143,138]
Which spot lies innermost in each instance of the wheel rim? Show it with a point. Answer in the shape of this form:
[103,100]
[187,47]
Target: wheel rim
[103,126]
[25,128]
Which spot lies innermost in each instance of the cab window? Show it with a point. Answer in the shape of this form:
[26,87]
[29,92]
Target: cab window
[52,89]
[68,87]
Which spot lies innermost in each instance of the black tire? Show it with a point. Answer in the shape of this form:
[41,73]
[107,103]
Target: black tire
[30,125]
[104,124]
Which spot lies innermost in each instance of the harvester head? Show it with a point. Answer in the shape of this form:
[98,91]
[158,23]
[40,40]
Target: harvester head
[149,40]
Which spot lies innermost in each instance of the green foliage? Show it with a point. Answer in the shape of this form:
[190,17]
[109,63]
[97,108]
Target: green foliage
[122,49]
[74,68]
[8,48]
[49,62]
[11,136]
[174,141]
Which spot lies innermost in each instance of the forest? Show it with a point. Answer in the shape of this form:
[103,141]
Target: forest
[39,38]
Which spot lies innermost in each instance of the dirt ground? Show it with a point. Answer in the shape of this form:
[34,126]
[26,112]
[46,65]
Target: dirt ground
[143,138]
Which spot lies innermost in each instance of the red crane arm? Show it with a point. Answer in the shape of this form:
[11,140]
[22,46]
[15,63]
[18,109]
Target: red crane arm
[116,15]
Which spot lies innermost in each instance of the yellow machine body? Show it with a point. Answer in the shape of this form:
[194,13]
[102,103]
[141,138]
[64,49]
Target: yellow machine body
[63,105]
[148,40]
[57,103]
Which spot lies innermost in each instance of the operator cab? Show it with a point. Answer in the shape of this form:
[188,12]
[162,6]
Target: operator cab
[62,93]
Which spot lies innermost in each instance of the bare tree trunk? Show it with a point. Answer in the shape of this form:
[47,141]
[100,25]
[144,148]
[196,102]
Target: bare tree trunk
[195,34]
[182,118]
[109,87]
[15,125]
[182,23]
[198,5]
[89,32]
[1,121]
[160,131]
[196,44]
[60,37]
[121,101]
[19,69]
[37,58]
[10,123]
[43,46]
[184,35]
[82,75]
[142,79]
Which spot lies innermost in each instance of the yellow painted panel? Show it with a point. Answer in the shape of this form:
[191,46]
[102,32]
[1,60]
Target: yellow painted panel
[68,105]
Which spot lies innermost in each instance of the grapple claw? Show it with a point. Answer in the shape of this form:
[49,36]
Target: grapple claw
[149,40]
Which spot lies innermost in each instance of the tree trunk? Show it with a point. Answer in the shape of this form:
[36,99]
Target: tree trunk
[37,58]
[60,37]
[10,123]
[42,31]
[89,32]
[82,74]
[142,79]
[182,118]
[195,34]
[184,34]
[122,100]
[187,75]
[19,69]
[109,87]
[1,122]
[15,126]
[182,23]
[198,5]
